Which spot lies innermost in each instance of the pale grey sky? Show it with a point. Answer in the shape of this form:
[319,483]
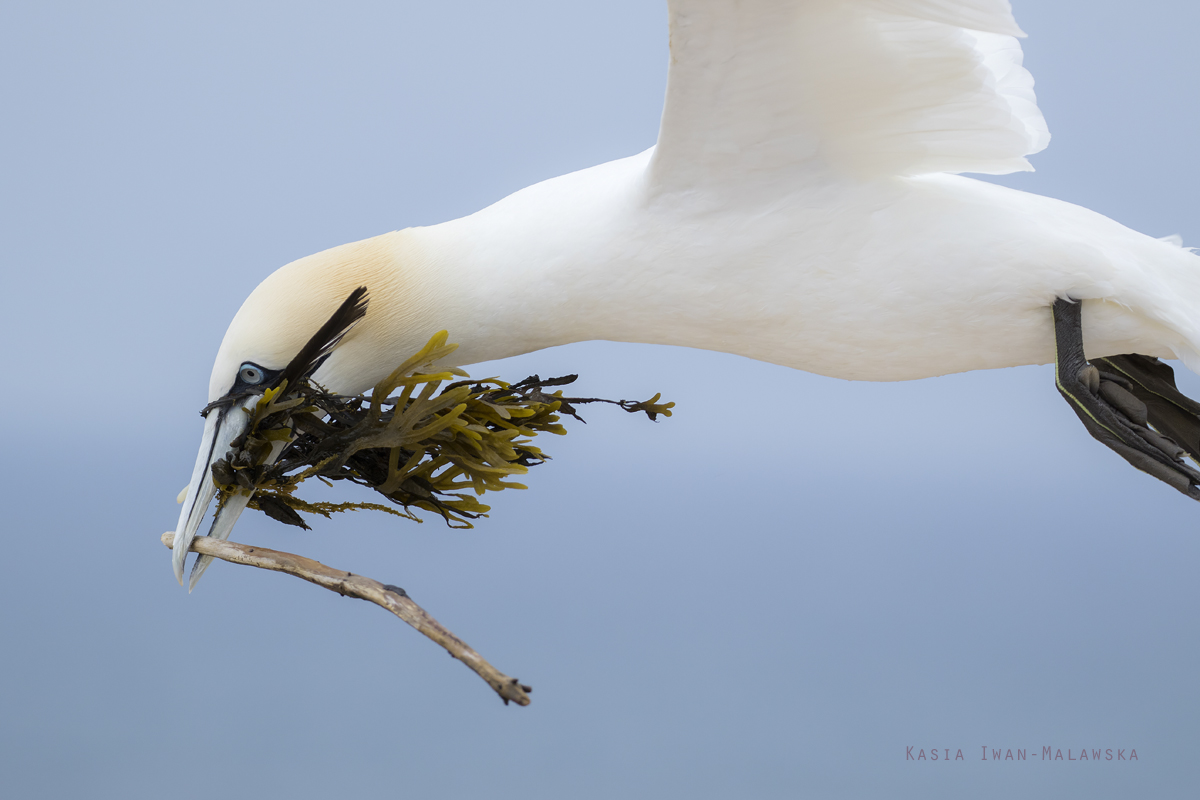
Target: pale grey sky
[766,613]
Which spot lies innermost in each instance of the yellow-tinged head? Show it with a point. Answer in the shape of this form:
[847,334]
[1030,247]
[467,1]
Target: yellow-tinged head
[287,308]
[342,316]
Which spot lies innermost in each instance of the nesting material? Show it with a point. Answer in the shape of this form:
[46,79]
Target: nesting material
[425,438]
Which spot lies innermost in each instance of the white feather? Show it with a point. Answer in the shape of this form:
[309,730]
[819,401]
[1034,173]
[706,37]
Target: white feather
[866,87]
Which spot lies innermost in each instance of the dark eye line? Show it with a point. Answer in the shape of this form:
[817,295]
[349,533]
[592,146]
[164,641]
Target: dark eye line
[241,388]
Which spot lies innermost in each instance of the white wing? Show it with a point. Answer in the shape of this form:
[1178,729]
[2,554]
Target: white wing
[869,87]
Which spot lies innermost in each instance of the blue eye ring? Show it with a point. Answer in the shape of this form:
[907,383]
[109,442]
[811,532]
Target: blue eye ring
[251,374]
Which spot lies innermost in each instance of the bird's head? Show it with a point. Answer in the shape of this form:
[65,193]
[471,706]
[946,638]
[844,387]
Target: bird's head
[308,319]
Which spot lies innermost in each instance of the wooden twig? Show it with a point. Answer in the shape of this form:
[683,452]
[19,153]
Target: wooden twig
[392,598]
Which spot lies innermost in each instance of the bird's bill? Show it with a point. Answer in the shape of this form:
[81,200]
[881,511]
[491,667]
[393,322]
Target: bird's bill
[221,426]
[222,526]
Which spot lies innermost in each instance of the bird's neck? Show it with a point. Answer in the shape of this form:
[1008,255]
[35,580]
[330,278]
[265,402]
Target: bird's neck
[538,269]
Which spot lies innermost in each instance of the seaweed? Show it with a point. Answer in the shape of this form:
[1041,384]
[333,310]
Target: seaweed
[421,439]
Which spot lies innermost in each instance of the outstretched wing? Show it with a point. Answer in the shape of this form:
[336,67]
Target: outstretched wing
[869,87]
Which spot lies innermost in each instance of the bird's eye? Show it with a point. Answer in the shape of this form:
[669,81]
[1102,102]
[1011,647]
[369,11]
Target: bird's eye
[250,374]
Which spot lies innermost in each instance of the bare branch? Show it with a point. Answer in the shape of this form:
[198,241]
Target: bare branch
[392,598]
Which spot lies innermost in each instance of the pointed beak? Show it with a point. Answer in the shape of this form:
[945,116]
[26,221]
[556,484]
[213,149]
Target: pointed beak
[222,526]
[221,426]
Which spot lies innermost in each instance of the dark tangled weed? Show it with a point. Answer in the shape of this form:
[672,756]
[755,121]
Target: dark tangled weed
[416,443]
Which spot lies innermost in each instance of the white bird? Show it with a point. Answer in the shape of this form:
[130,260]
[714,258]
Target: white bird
[801,207]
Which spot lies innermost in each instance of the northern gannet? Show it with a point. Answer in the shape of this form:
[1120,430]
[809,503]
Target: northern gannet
[802,206]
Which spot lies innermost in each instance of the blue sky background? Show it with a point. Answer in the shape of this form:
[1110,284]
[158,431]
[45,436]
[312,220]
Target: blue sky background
[706,607]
